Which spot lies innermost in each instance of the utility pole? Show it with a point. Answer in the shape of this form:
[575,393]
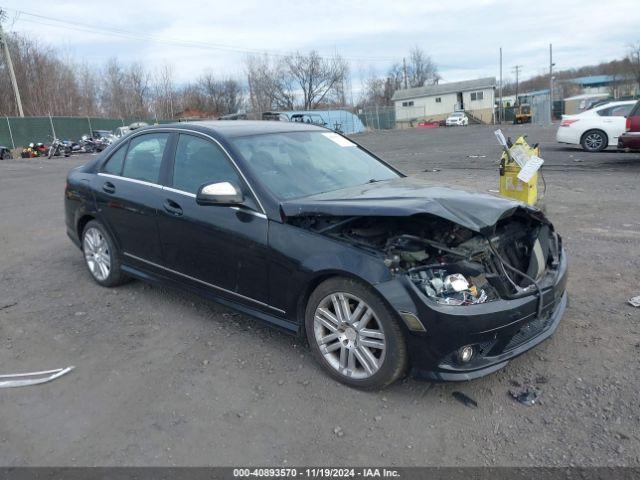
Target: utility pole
[551,64]
[404,70]
[5,47]
[517,69]
[500,112]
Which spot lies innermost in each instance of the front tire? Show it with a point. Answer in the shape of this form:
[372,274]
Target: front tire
[354,335]
[101,256]
[594,141]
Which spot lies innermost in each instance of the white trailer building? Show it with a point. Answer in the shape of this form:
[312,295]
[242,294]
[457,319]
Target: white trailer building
[437,102]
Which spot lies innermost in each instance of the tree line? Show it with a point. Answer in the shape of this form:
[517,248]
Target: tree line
[53,85]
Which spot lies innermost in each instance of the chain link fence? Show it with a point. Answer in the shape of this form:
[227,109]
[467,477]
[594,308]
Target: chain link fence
[17,132]
[377,117]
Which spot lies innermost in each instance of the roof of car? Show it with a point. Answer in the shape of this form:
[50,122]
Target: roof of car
[241,128]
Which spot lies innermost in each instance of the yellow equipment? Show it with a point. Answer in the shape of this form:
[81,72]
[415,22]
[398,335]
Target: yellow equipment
[522,114]
[510,185]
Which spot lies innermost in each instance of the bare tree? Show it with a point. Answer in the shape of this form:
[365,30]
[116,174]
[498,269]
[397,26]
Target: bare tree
[318,78]
[88,90]
[137,91]
[634,62]
[378,91]
[270,84]
[220,96]
[165,92]
[421,70]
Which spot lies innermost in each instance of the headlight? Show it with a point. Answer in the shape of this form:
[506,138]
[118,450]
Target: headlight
[449,288]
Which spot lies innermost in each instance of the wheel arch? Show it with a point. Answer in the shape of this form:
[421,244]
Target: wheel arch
[81,223]
[321,277]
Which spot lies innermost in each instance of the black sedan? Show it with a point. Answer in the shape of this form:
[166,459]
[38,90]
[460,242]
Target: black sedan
[301,227]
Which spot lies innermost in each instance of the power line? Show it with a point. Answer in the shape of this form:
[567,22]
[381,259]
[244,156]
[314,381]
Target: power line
[173,41]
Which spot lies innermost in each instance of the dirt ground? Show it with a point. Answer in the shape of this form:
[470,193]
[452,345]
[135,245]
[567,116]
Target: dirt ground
[165,378]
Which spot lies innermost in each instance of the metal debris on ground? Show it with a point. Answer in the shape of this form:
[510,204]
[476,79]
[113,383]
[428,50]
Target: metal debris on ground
[32,378]
[635,301]
[526,397]
[8,305]
[466,400]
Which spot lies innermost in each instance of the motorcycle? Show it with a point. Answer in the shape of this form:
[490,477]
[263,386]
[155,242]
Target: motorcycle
[59,147]
[5,153]
[88,144]
[34,150]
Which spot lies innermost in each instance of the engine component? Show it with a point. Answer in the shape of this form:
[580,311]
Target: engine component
[448,288]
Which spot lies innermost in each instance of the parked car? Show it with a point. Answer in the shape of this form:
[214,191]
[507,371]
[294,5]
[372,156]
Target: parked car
[121,131]
[597,128]
[457,119]
[5,153]
[301,227]
[630,139]
[96,134]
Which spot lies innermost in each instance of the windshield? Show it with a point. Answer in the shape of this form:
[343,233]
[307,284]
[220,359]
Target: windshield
[299,164]
[456,114]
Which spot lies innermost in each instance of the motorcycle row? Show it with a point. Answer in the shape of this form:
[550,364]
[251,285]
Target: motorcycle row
[58,147]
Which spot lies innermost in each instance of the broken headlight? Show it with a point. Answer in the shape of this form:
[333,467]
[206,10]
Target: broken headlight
[450,288]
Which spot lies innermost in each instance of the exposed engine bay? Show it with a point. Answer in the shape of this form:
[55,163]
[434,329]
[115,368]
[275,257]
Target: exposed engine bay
[451,264]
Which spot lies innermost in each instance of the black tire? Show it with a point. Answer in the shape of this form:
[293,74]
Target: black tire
[395,361]
[115,275]
[6,155]
[594,141]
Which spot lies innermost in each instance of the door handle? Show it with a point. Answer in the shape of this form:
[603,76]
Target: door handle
[109,187]
[172,207]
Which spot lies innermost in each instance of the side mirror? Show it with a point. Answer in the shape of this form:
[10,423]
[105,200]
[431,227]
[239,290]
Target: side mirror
[221,194]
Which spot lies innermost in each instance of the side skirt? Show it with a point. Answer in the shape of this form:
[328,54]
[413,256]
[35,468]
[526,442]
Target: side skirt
[281,324]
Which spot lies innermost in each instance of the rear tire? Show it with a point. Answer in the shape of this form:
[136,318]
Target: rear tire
[101,255]
[367,349]
[594,141]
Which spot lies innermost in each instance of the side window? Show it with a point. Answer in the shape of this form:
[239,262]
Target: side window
[114,164]
[144,157]
[621,111]
[199,161]
[605,112]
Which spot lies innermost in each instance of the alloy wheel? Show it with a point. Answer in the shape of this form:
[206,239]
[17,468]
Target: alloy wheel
[97,253]
[349,335]
[594,141]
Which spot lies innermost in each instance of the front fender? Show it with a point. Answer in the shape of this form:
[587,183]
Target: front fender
[302,259]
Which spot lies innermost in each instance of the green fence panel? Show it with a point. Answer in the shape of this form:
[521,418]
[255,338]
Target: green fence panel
[30,129]
[5,134]
[70,128]
[41,129]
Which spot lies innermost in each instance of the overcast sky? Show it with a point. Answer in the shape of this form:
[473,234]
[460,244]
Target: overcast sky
[462,37]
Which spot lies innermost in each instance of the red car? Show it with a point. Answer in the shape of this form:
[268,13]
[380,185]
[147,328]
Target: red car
[630,140]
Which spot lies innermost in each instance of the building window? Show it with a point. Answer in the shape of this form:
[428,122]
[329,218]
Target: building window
[438,100]
[407,104]
[477,96]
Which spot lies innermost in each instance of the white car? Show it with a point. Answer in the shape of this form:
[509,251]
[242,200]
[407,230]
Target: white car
[457,119]
[597,128]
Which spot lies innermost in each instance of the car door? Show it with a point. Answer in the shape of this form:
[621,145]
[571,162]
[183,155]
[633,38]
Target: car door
[220,247]
[128,192]
[614,120]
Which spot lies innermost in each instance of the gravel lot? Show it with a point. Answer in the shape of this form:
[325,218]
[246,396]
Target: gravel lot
[165,378]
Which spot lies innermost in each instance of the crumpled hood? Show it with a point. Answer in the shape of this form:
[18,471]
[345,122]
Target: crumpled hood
[404,197]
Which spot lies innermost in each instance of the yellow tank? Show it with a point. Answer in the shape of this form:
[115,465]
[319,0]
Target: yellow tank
[510,185]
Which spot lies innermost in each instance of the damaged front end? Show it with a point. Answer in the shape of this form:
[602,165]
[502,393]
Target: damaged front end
[452,264]
[476,279]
